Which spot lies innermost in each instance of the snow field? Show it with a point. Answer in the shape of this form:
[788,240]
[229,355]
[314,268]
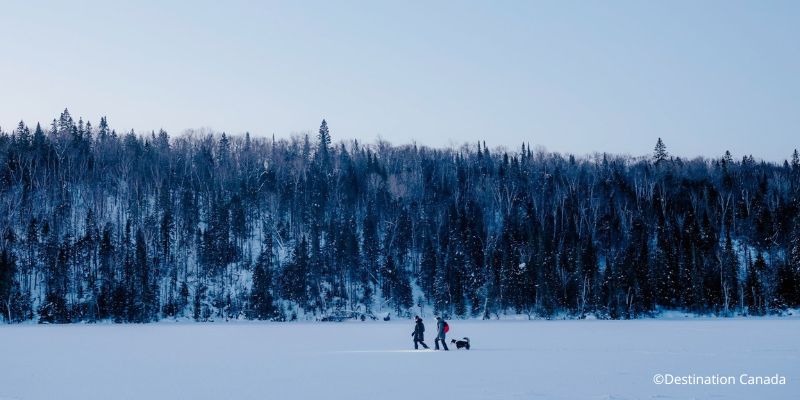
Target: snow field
[587,359]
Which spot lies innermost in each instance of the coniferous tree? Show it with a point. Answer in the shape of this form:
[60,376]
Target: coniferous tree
[143,300]
[401,291]
[660,152]
[427,274]
[261,301]
[787,291]
[295,277]
[8,269]
[324,137]
[754,286]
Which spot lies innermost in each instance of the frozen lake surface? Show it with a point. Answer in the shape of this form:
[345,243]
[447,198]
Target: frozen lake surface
[376,361]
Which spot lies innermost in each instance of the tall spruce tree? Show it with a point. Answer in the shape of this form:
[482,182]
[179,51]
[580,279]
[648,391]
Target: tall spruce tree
[660,152]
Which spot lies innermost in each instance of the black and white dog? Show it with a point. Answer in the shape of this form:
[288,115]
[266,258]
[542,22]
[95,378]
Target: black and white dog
[461,343]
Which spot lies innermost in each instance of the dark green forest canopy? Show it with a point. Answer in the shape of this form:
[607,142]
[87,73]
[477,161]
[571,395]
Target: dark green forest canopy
[98,225]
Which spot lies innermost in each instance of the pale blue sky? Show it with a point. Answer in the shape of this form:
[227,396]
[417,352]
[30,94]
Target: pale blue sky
[574,77]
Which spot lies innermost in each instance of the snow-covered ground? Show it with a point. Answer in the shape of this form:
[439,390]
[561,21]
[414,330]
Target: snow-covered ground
[372,360]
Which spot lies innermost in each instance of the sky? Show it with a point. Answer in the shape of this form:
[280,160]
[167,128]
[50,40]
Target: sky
[571,76]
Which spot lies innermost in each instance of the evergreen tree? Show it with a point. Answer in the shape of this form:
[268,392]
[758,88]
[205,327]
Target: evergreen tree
[788,287]
[660,152]
[144,301]
[295,276]
[261,301]
[401,292]
[106,272]
[441,291]
[427,275]
[324,138]
[754,289]
[8,269]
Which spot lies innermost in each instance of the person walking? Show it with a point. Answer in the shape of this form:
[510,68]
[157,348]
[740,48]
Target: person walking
[441,326]
[419,333]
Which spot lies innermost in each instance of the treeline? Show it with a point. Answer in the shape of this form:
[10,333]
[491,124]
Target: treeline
[98,225]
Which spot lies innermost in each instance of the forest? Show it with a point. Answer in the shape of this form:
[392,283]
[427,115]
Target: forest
[100,225]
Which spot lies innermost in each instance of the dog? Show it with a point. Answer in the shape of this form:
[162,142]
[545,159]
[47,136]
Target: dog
[461,343]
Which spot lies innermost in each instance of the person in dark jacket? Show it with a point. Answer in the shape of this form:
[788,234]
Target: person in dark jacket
[419,333]
[440,334]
